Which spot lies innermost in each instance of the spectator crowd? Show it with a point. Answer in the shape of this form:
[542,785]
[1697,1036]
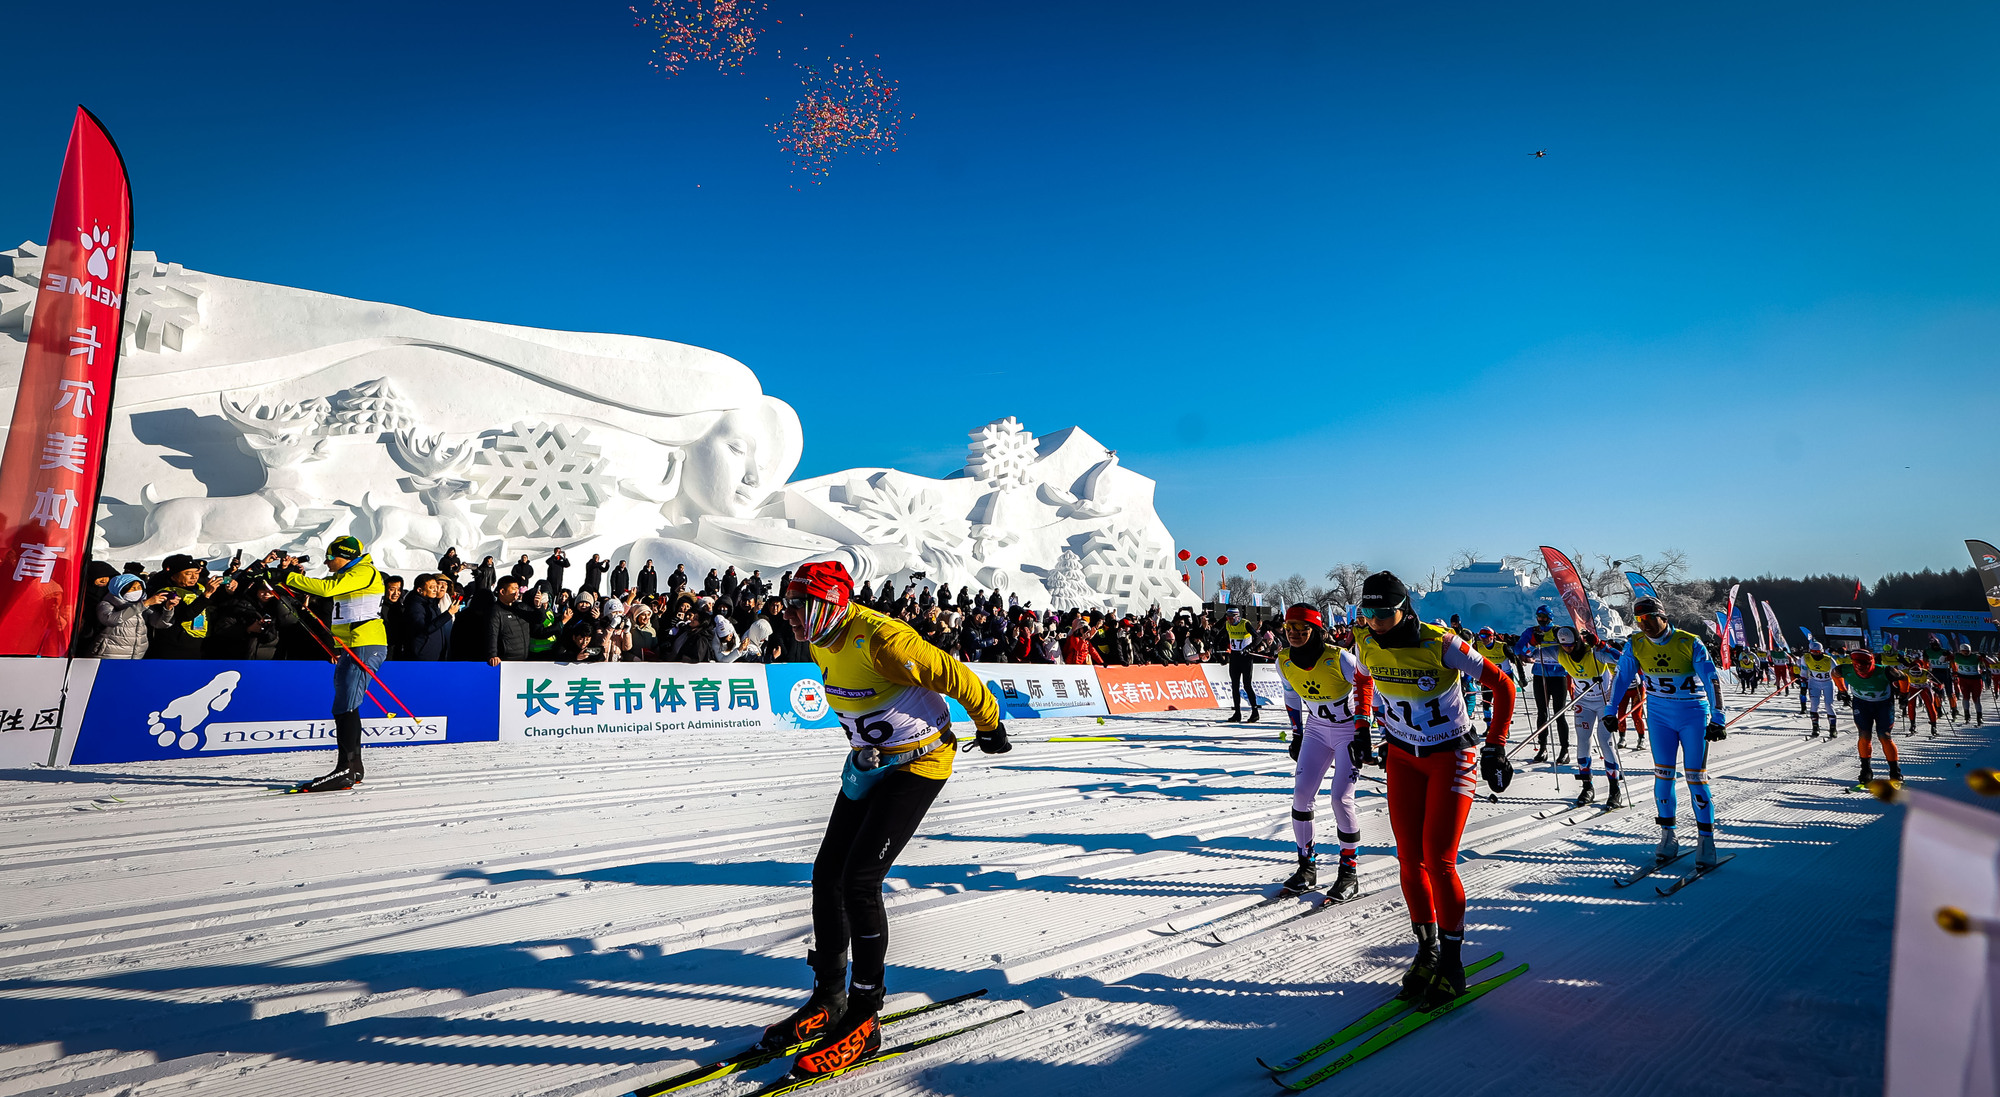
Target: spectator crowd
[603,611]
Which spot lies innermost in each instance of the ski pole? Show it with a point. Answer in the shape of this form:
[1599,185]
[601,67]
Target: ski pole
[1576,695]
[1753,708]
[331,657]
[307,610]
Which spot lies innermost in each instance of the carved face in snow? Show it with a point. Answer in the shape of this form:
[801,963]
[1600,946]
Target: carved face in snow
[720,472]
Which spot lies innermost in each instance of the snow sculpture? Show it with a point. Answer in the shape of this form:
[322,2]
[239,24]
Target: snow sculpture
[1067,587]
[1493,595]
[255,416]
[542,481]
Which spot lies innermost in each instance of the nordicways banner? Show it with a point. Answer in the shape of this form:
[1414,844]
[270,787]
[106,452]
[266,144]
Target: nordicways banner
[173,708]
[55,446]
[121,710]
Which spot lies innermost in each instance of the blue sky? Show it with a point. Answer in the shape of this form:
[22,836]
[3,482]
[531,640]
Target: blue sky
[1295,262]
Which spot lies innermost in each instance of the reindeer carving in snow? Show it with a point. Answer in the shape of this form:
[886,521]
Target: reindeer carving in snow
[439,479]
[282,438]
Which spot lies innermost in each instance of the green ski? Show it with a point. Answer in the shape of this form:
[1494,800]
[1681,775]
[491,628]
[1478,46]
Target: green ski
[1399,1030]
[1384,1012]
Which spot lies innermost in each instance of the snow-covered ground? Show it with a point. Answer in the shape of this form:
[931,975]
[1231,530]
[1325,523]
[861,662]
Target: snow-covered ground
[583,918]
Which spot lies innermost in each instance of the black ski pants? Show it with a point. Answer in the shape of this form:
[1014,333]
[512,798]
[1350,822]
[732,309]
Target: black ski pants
[1551,691]
[863,838]
[1239,681]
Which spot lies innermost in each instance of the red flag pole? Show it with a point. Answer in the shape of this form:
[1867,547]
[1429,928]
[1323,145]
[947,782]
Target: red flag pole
[52,469]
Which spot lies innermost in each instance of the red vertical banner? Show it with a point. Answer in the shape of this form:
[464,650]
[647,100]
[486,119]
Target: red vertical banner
[1570,586]
[54,458]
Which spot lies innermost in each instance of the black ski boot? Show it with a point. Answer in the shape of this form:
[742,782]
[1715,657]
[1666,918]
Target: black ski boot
[1303,880]
[1867,771]
[1235,717]
[1253,715]
[1562,757]
[827,1004]
[1423,970]
[1347,882]
[1895,773]
[1449,980]
[1614,799]
[1588,795]
[857,1035]
[347,758]
[1933,729]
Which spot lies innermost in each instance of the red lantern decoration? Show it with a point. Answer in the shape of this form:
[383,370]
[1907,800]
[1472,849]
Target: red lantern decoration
[1222,559]
[1201,561]
[1185,554]
[1186,578]
[1249,567]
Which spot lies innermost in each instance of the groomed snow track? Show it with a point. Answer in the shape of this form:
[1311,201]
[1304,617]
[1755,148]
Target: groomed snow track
[584,918]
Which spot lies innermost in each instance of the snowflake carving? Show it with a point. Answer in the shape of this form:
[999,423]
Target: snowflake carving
[542,481]
[1002,453]
[888,512]
[1128,569]
[371,407]
[162,305]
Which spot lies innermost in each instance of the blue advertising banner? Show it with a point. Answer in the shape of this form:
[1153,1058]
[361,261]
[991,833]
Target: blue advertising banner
[798,696]
[170,708]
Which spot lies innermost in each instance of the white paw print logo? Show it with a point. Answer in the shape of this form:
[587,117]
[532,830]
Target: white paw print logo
[179,722]
[98,243]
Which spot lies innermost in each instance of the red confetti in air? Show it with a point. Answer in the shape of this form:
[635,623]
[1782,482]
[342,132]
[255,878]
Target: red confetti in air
[700,31]
[846,109]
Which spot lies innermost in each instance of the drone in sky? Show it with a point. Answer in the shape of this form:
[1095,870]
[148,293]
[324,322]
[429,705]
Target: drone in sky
[1539,153]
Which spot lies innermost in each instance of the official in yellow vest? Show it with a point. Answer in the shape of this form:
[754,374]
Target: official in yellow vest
[358,642]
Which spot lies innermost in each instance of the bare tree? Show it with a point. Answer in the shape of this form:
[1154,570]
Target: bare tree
[1346,582]
[1463,558]
[1531,566]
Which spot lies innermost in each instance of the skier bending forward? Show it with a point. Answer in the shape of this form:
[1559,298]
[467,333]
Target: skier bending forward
[1686,702]
[884,681]
[1429,739]
[1328,699]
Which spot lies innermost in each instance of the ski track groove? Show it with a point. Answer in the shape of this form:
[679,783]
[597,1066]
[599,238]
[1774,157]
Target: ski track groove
[1060,863]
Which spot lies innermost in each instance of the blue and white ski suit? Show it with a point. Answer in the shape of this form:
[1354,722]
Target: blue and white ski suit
[1682,699]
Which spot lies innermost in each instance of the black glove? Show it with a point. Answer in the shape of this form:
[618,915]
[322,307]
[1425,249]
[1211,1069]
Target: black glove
[1495,767]
[1292,748]
[995,741]
[1611,724]
[1717,733]
[1361,749]
[1845,700]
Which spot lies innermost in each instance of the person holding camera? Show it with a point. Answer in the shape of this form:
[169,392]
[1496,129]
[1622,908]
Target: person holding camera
[354,588]
[188,593]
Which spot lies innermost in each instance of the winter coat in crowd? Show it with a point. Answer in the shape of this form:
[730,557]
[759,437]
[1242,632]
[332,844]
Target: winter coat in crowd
[125,621]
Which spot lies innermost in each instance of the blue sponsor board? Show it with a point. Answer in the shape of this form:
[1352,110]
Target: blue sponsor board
[798,696]
[171,708]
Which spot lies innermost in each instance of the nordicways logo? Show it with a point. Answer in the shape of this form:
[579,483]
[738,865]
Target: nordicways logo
[190,721]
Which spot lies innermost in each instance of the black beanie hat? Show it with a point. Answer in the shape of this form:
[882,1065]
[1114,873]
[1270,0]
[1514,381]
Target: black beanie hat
[1383,590]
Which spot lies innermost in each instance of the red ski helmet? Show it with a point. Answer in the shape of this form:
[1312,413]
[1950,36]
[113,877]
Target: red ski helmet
[817,598]
[1864,660]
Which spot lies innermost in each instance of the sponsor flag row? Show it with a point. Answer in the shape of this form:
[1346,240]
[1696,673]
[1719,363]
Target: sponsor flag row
[116,710]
